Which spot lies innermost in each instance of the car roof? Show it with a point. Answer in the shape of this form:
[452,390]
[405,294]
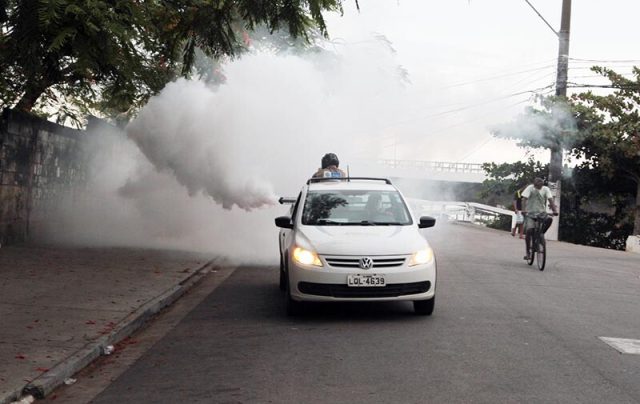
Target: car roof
[360,185]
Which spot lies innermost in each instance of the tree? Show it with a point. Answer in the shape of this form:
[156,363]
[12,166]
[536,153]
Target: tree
[599,192]
[596,209]
[506,178]
[81,51]
[503,180]
[608,136]
[545,125]
[112,55]
[594,206]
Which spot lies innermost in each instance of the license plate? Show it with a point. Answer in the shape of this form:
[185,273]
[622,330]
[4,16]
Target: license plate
[365,281]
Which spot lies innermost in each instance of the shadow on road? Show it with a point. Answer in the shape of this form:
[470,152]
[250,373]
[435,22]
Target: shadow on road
[261,283]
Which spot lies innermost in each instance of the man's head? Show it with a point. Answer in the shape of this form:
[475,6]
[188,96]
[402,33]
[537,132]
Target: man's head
[538,182]
[330,159]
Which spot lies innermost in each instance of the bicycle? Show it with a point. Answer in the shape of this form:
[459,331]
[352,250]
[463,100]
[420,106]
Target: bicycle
[538,250]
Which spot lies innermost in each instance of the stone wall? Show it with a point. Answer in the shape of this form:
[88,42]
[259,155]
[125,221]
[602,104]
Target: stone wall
[40,162]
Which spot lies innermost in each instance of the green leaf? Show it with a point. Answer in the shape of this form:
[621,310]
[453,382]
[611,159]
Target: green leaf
[61,38]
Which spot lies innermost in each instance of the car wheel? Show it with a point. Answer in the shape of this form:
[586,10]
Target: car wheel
[424,307]
[292,307]
[283,275]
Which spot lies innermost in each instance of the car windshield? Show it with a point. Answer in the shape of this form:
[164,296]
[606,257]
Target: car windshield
[355,208]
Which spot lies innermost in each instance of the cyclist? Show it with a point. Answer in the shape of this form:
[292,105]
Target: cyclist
[534,200]
[329,168]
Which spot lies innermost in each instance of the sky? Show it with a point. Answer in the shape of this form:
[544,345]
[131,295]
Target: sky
[474,64]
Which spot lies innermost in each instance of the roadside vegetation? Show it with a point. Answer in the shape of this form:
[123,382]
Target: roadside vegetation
[601,136]
[70,58]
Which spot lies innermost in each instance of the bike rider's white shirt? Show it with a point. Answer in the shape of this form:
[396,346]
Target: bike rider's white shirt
[536,197]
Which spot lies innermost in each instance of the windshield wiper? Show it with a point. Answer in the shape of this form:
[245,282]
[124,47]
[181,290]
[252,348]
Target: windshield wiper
[327,222]
[361,223]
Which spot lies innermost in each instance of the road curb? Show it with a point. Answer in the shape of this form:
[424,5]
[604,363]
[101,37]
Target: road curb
[50,380]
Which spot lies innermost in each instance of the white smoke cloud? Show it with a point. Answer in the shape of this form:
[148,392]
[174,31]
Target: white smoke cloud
[196,153]
[180,132]
[538,127]
[269,123]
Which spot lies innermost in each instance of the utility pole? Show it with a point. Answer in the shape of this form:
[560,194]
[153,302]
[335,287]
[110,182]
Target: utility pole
[555,163]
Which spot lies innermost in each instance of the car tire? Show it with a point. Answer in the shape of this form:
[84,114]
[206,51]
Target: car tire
[424,307]
[292,307]
[283,276]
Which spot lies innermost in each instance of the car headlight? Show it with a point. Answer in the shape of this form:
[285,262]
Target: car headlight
[306,257]
[421,257]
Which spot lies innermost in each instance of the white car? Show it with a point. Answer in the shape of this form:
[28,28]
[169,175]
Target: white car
[354,239]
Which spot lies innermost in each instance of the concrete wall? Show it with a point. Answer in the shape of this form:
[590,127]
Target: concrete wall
[40,161]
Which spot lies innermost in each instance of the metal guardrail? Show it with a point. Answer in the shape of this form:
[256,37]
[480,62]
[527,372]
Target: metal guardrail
[462,211]
[440,166]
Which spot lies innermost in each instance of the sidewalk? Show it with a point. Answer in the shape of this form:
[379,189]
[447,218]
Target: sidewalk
[59,307]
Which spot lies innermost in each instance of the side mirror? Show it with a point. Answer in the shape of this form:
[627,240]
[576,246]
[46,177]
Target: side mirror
[285,200]
[426,221]
[284,222]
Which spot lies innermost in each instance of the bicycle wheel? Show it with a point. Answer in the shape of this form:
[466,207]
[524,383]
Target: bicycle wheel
[541,254]
[532,253]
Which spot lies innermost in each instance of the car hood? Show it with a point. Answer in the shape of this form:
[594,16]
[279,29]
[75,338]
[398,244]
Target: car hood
[362,240]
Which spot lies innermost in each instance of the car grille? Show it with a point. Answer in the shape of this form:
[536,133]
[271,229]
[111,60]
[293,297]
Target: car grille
[338,290]
[354,262]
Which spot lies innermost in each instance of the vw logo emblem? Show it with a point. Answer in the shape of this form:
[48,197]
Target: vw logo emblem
[366,263]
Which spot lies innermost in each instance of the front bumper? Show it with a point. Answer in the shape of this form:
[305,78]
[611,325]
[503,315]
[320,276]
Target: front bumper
[327,283]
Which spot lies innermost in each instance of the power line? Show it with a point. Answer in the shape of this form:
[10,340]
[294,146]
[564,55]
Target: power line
[496,77]
[605,61]
[540,15]
[464,123]
[477,148]
[530,81]
[542,90]
[539,91]
[475,105]
[595,76]
[613,67]
[591,67]
[489,137]
[534,91]
[629,87]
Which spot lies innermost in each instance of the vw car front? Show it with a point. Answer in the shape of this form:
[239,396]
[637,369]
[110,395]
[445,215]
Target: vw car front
[355,240]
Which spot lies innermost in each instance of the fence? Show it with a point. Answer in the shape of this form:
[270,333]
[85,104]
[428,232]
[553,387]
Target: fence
[438,166]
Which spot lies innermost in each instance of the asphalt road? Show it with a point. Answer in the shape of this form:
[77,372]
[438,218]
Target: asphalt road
[502,332]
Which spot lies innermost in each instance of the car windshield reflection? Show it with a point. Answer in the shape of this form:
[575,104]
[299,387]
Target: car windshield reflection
[355,208]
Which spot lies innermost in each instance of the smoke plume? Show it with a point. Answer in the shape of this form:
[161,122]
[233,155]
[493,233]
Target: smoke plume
[196,153]
[538,128]
[178,132]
